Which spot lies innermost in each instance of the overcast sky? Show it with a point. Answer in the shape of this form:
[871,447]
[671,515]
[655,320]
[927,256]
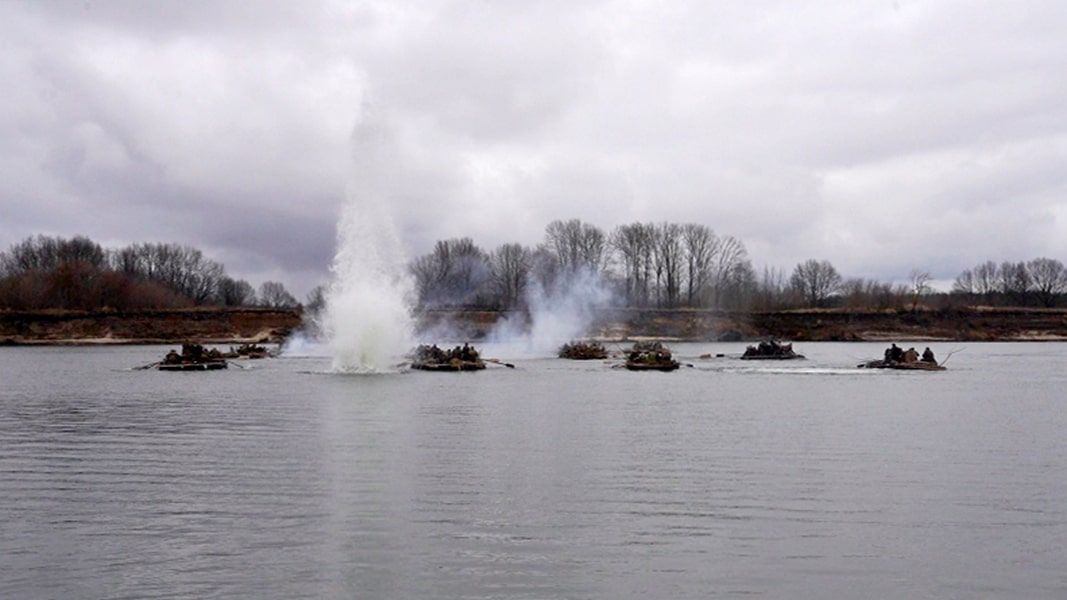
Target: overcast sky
[880,135]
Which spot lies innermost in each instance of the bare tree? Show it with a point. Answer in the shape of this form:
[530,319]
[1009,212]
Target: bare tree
[235,292]
[738,290]
[815,281]
[964,283]
[509,271]
[545,270]
[1048,279]
[181,268]
[274,295]
[729,254]
[667,262]
[78,273]
[633,244]
[577,246]
[45,254]
[771,289]
[314,311]
[455,273]
[32,254]
[316,301]
[919,286]
[126,261]
[854,292]
[699,243]
[1014,281]
[429,273]
[861,293]
[986,279]
[55,272]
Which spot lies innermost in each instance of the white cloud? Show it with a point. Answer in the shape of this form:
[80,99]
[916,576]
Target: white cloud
[881,136]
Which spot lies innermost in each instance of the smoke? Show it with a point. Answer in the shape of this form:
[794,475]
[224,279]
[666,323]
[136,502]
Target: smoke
[367,319]
[560,312]
[302,344]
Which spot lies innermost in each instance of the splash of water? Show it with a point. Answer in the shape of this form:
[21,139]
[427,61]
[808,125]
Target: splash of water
[367,321]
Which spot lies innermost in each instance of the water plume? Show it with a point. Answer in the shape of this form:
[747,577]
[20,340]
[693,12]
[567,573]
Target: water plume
[367,320]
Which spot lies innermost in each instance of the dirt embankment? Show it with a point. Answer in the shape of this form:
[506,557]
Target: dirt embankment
[965,324]
[203,325]
[970,324]
[265,325]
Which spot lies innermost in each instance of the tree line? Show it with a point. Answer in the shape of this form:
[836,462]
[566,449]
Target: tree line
[688,265]
[46,272]
[1041,282]
[639,265]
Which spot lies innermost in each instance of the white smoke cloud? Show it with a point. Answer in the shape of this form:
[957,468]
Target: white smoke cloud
[558,314]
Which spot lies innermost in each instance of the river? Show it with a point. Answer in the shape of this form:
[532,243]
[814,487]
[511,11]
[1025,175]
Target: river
[553,479]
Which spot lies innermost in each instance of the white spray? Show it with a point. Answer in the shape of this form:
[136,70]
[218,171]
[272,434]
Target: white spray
[367,321]
[558,315]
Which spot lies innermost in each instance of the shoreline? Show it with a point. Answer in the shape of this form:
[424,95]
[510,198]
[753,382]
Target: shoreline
[973,324]
[221,326]
[149,327]
[91,342]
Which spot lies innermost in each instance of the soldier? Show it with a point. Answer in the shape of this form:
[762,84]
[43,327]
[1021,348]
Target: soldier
[928,356]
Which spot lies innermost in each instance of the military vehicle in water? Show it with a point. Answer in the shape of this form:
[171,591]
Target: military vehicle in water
[650,356]
[770,350]
[583,351]
[193,357]
[460,358]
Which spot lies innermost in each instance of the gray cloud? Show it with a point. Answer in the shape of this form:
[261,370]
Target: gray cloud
[882,136]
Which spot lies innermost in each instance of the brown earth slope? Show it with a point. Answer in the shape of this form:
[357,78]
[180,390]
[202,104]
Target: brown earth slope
[203,325]
[971,323]
[264,325]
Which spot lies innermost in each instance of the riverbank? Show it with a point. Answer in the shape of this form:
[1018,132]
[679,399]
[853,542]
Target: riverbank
[203,325]
[963,323]
[269,325]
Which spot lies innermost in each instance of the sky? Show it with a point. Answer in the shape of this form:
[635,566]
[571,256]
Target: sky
[882,135]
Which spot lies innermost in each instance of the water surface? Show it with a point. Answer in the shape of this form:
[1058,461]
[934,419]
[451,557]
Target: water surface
[555,479]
